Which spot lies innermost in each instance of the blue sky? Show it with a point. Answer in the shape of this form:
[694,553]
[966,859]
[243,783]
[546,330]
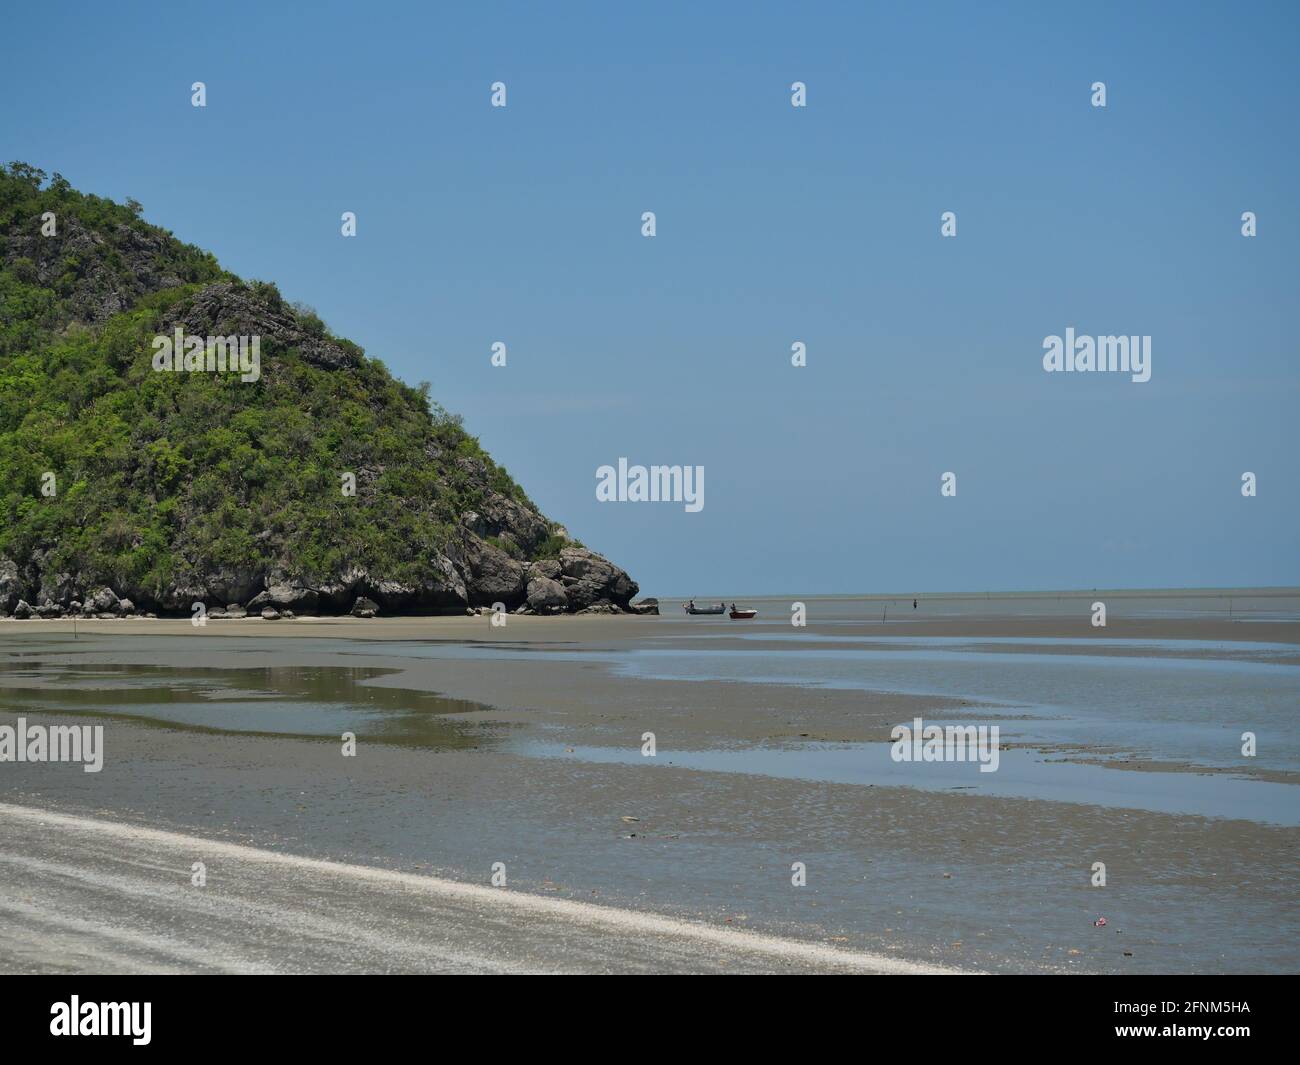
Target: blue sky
[775,224]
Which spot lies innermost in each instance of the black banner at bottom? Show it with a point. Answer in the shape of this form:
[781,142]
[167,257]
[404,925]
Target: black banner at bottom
[1208,1015]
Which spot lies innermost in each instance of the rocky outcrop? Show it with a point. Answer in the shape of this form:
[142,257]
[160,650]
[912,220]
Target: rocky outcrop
[364,608]
[547,596]
[228,584]
[101,601]
[11,586]
[494,577]
[506,520]
[285,591]
[232,612]
[469,573]
[228,309]
[115,267]
[335,595]
[589,579]
[178,598]
[480,575]
[58,588]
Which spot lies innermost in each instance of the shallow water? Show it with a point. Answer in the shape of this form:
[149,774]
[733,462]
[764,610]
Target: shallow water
[1185,703]
[1020,774]
[307,702]
[1160,707]
[1178,706]
[1243,604]
[1230,649]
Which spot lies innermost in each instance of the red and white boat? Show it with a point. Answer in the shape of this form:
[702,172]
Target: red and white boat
[741,615]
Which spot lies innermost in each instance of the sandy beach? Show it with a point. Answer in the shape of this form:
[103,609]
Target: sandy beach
[522,745]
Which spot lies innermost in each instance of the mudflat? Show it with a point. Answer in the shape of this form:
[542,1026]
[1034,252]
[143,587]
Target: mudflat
[770,802]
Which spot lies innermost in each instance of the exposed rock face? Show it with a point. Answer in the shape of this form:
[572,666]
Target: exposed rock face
[101,601]
[507,520]
[469,573]
[11,586]
[283,590]
[178,599]
[481,576]
[58,588]
[547,596]
[334,596]
[589,579]
[494,577]
[101,290]
[226,309]
[546,567]
[230,585]
[364,608]
[392,596]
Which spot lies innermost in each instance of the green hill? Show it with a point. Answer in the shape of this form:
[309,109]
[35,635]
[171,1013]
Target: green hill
[167,488]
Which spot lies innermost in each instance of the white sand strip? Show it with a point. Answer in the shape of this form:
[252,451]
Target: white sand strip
[441,924]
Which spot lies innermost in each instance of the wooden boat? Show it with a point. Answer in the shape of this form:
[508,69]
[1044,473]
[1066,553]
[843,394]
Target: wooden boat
[741,615]
[719,609]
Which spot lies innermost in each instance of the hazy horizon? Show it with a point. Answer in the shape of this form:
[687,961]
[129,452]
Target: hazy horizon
[1263,591]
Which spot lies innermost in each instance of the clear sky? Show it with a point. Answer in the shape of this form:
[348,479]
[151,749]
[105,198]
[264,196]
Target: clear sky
[775,224]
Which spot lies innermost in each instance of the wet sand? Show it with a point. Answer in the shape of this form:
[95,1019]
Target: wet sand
[81,893]
[612,630]
[942,876]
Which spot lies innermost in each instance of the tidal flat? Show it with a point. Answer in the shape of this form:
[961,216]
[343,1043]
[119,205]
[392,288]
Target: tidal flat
[524,745]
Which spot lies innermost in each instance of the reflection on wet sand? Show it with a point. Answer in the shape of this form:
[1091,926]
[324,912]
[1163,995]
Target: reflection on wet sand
[300,701]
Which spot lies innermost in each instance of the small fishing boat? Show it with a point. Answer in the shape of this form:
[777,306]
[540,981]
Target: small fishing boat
[741,615]
[691,608]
